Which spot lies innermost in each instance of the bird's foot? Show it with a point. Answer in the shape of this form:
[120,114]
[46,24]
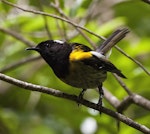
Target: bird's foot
[80,97]
[100,101]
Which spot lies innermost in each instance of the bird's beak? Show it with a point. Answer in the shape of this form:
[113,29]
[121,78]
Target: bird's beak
[33,48]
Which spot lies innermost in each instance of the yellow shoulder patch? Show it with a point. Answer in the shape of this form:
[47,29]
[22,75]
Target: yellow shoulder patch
[76,55]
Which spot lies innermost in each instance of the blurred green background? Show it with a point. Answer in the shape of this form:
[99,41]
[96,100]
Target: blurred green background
[25,112]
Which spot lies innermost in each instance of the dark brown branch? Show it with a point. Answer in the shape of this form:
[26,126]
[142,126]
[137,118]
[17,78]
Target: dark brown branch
[75,98]
[124,104]
[147,1]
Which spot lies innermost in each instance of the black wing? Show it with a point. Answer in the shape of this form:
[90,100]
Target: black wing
[97,63]
[104,64]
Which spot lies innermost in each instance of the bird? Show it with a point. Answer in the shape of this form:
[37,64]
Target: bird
[77,65]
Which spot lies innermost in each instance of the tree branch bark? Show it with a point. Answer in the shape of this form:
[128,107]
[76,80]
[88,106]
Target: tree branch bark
[146,1]
[74,98]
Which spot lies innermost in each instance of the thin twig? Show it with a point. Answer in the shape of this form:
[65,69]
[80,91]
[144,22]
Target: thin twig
[45,21]
[134,60]
[75,98]
[124,104]
[17,36]
[63,30]
[122,84]
[19,63]
[81,32]
[53,16]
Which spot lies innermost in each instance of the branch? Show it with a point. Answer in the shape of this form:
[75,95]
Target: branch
[79,30]
[141,101]
[134,60]
[146,1]
[45,22]
[74,98]
[19,63]
[53,16]
[132,98]
[111,98]
[136,99]
[122,84]
[17,36]
[124,104]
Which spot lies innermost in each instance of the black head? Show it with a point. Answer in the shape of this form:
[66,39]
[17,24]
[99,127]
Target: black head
[55,53]
[48,47]
[52,48]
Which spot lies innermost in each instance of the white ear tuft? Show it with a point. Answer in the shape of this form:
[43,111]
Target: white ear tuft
[59,41]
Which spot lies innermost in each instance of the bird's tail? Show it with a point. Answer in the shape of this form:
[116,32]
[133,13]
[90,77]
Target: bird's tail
[112,40]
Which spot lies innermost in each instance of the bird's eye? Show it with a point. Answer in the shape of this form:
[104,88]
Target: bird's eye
[47,45]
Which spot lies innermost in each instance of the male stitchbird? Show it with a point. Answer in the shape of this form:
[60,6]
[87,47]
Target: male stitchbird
[76,64]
